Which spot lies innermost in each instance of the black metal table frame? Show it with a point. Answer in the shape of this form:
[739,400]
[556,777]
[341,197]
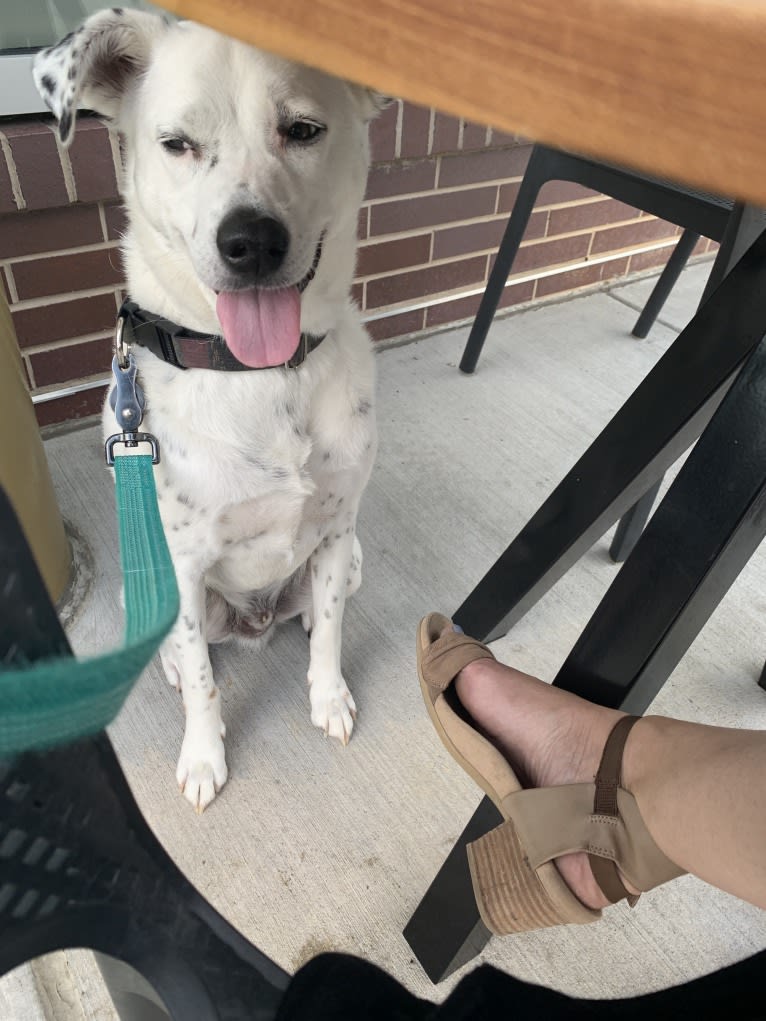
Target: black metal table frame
[711,382]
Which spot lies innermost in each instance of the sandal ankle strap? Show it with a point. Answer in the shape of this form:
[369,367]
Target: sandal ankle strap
[608,780]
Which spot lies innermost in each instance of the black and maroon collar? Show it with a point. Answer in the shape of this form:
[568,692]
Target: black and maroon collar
[187,349]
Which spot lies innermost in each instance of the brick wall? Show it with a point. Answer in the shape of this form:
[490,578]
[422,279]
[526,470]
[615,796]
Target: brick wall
[437,201]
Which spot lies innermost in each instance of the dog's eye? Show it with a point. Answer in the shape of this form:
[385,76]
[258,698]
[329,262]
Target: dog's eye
[176,146]
[303,131]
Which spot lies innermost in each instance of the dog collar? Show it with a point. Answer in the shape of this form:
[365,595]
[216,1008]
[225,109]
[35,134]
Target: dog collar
[187,349]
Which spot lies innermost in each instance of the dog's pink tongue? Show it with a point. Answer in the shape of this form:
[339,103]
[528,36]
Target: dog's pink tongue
[261,327]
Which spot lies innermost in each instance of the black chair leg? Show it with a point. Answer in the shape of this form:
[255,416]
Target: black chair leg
[535,176]
[698,547]
[631,525]
[665,414]
[666,283]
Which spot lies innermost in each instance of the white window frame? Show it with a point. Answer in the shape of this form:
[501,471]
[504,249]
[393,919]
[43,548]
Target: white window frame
[18,94]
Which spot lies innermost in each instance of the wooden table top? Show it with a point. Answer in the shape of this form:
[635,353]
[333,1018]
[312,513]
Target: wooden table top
[675,87]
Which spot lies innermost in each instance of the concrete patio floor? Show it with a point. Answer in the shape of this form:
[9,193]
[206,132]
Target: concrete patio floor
[313,847]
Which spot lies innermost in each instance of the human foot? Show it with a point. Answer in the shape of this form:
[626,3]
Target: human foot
[549,736]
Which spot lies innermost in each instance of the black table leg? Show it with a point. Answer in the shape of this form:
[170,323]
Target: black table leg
[665,414]
[732,448]
[711,521]
[445,931]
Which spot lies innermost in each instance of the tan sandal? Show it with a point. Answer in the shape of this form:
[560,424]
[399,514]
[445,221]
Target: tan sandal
[516,884]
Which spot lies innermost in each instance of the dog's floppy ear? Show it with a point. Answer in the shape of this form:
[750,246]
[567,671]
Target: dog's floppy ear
[371,102]
[92,67]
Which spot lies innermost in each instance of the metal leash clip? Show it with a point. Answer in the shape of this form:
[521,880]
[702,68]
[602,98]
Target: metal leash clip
[127,401]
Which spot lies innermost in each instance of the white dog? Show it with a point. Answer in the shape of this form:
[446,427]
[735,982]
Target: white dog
[243,178]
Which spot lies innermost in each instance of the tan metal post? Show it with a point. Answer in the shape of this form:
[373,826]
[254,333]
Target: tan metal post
[24,470]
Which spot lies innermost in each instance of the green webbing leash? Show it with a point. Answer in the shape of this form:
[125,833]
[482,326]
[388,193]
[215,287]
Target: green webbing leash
[53,701]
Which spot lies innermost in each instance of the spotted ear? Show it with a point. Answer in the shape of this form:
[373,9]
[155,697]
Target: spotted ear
[93,67]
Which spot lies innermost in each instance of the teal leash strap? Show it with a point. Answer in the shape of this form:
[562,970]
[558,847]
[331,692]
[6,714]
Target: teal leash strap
[55,701]
[58,700]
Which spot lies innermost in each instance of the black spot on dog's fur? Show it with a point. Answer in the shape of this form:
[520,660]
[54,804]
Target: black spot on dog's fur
[363,407]
[62,42]
[47,83]
[213,162]
[72,71]
[118,11]
[65,124]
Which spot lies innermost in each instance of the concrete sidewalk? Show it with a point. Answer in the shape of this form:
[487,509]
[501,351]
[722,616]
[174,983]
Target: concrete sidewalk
[313,847]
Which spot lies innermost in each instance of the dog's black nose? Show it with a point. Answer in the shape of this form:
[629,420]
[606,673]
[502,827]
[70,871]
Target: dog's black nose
[251,245]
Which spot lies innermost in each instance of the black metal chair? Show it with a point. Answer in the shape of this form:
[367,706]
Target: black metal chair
[699,213]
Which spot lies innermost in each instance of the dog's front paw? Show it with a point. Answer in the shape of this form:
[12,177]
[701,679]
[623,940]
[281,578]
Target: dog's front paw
[202,770]
[333,709]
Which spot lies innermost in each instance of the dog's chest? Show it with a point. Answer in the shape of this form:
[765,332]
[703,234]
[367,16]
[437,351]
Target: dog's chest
[253,511]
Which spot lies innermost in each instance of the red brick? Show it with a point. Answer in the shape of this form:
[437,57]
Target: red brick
[416,122]
[466,308]
[474,136]
[490,165]
[92,162]
[401,179]
[5,290]
[574,278]
[48,231]
[509,193]
[502,139]
[542,254]
[612,238]
[383,134]
[555,192]
[389,256]
[396,326]
[506,199]
[362,228]
[63,320]
[66,409]
[478,237]
[75,361]
[514,294]
[429,210]
[37,164]
[59,274]
[431,280]
[7,201]
[648,260]
[446,133]
[589,215]
[116,222]
[357,294]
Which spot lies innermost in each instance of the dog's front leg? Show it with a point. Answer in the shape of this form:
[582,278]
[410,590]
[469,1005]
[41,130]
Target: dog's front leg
[335,569]
[202,765]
